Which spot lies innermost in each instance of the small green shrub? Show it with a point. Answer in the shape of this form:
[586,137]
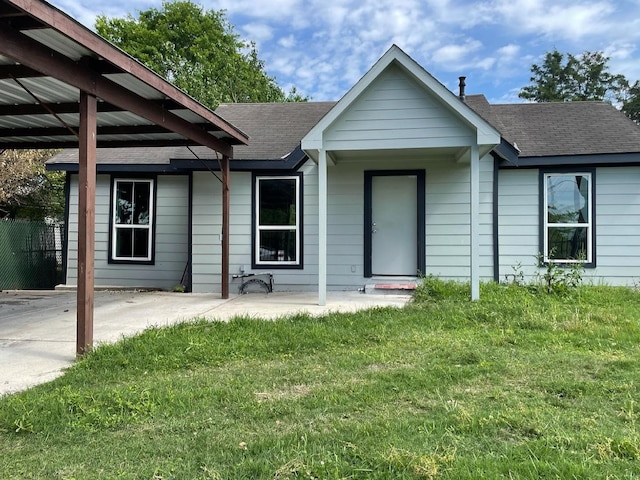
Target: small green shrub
[558,277]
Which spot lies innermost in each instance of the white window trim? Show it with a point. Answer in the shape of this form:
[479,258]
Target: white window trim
[260,228]
[588,225]
[116,226]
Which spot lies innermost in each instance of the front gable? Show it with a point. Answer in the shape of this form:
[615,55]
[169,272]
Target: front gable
[398,104]
[395,112]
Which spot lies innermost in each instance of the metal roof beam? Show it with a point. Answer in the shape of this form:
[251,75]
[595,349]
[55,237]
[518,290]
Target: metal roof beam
[20,71]
[37,109]
[105,130]
[17,71]
[34,55]
[67,143]
[7,10]
[23,22]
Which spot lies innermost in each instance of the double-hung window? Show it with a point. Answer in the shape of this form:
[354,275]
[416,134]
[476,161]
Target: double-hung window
[568,217]
[132,220]
[277,221]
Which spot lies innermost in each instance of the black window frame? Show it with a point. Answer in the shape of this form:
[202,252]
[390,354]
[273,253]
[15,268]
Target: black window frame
[543,218]
[112,259]
[256,264]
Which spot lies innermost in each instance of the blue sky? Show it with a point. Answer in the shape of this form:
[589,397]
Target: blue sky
[324,46]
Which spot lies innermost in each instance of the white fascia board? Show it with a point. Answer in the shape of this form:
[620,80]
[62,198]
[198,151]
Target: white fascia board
[311,143]
[488,138]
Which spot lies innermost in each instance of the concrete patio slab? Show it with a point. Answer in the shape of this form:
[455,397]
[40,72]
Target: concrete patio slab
[38,328]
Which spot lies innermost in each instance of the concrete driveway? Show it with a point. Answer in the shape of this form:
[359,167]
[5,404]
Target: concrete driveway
[38,328]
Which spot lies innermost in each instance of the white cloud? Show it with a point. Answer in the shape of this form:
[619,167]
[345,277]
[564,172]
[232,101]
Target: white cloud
[509,51]
[287,42]
[623,59]
[257,32]
[83,13]
[455,55]
[323,47]
[86,12]
[485,63]
[282,66]
[272,9]
[560,19]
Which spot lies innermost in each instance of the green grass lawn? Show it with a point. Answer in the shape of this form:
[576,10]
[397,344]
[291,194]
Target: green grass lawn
[517,385]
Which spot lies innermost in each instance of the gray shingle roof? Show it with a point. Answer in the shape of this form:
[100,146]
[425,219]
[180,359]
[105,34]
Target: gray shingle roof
[537,129]
[274,129]
[558,129]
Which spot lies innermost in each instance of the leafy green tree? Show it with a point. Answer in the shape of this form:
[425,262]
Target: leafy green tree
[631,102]
[549,80]
[27,190]
[198,51]
[567,78]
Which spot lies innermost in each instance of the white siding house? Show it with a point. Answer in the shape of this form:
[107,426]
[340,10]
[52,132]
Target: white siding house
[617,224]
[398,110]
[399,178]
[171,236]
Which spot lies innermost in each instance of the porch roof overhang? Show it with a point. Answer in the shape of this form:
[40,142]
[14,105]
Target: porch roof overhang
[47,59]
[61,85]
[457,153]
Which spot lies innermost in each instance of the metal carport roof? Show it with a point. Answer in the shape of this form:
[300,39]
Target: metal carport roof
[62,85]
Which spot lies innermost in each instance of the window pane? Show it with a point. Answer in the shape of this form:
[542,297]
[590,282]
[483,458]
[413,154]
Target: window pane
[124,203]
[141,203]
[566,243]
[278,246]
[132,243]
[132,226]
[140,242]
[277,201]
[568,199]
[124,242]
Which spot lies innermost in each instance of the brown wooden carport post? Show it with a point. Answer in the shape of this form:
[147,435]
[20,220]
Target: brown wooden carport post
[86,221]
[226,201]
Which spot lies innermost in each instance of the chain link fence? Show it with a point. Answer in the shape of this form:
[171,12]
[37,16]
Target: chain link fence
[31,255]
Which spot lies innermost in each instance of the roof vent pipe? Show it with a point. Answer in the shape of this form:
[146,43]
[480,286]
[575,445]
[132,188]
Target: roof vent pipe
[462,84]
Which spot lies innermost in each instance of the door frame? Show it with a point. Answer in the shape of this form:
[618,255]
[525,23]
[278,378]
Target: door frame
[368,216]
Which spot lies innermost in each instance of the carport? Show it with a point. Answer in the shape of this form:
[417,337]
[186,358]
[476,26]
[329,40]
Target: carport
[63,86]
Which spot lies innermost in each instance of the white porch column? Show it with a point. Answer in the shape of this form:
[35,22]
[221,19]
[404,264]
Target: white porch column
[322,227]
[474,251]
